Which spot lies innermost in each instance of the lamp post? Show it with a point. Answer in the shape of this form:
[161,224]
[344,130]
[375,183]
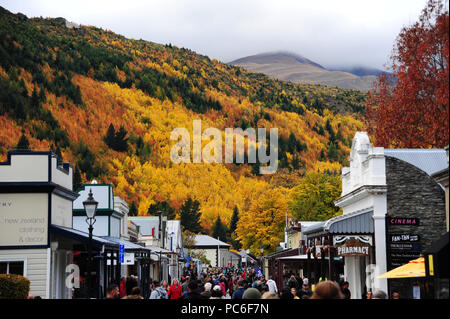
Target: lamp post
[261,249]
[90,207]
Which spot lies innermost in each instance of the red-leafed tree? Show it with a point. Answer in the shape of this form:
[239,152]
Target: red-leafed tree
[410,109]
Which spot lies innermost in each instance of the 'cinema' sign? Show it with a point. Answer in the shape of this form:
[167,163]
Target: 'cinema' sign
[403,221]
[353,248]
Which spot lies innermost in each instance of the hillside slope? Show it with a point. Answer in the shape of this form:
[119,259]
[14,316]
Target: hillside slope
[67,86]
[288,67]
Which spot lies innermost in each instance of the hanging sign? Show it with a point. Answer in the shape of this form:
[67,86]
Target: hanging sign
[121,253]
[128,259]
[353,248]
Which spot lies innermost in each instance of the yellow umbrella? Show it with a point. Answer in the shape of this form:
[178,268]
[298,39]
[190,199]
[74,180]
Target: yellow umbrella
[415,268]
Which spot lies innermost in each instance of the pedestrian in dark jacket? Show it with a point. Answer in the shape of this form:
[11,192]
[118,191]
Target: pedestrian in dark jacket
[292,283]
[240,291]
[192,291]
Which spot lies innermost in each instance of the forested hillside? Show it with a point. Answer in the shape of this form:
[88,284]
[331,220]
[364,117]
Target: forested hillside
[107,104]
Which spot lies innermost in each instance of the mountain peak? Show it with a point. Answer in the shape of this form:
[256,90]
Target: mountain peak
[276,57]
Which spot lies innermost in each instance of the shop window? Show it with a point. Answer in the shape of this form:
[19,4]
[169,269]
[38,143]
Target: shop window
[12,267]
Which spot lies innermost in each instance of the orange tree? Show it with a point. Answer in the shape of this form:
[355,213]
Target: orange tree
[410,109]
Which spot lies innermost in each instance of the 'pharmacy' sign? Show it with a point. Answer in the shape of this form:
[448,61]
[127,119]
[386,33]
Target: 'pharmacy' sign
[353,248]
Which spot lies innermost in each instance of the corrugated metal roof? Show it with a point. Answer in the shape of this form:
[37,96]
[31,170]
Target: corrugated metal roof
[313,228]
[205,240]
[353,223]
[428,160]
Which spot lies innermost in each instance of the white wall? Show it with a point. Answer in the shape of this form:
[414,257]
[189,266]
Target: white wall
[115,227]
[100,226]
[100,193]
[60,177]
[35,261]
[25,168]
[61,211]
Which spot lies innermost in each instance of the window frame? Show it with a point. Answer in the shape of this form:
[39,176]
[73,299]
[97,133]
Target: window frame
[11,260]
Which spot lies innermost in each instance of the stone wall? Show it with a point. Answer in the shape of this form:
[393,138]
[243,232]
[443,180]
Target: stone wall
[412,193]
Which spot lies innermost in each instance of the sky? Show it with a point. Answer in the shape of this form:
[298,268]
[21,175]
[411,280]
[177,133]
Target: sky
[333,33]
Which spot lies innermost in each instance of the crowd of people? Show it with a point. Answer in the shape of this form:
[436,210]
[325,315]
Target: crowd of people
[236,283]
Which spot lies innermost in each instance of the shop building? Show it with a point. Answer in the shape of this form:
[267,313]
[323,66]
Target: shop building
[35,197]
[152,234]
[392,212]
[112,225]
[216,251]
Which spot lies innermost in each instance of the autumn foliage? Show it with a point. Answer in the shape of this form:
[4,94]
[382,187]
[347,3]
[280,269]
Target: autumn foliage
[410,109]
[108,104]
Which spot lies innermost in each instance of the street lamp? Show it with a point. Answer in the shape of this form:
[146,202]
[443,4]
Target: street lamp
[90,207]
[261,249]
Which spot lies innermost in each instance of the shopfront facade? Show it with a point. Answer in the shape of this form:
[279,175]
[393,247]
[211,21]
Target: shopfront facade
[35,193]
[406,205]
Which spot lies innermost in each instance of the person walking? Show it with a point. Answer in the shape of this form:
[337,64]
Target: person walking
[134,294]
[379,294]
[285,293]
[240,291]
[216,293]
[185,284]
[306,290]
[192,293]
[123,287]
[272,285]
[293,283]
[345,290]
[112,292]
[175,291]
[294,293]
[165,285]
[207,291]
[158,292]
[251,293]
[327,290]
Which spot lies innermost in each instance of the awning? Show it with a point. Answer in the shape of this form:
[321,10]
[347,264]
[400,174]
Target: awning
[415,268]
[82,237]
[127,244]
[352,223]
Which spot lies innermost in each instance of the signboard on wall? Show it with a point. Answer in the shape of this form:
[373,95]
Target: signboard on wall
[402,241]
[353,247]
[406,221]
[24,219]
[128,259]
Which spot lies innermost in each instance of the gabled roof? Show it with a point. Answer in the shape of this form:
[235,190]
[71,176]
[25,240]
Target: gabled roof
[428,160]
[205,240]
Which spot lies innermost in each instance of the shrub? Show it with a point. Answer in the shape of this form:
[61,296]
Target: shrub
[14,286]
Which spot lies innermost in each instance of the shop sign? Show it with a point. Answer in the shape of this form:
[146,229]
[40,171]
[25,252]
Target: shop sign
[405,246]
[128,259]
[403,221]
[24,219]
[404,238]
[121,253]
[353,248]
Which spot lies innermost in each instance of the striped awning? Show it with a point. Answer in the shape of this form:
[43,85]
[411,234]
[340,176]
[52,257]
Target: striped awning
[353,223]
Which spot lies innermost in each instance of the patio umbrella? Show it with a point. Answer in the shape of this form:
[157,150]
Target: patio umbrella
[414,268]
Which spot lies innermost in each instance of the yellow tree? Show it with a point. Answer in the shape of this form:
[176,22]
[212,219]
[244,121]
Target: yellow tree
[263,224]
